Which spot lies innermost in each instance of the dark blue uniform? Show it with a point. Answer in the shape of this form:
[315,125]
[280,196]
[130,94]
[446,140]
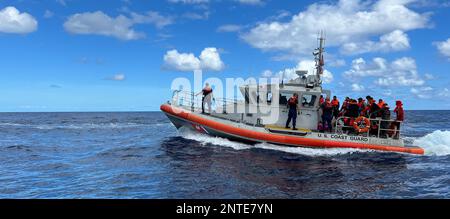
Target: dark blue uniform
[292,103]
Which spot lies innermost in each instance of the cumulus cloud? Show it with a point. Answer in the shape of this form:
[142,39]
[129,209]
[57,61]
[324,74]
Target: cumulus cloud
[197,16]
[422,92]
[48,14]
[267,74]
[397,40]
[229,28]
[62,2]
[13,21]
[251,2]
[152,17]
[444,48]
[444,92]
[337,63]
[348,21]
[209,59]
[120,27]
[189,1]
[117,77]
[357,87]
[400,72]
[304,65]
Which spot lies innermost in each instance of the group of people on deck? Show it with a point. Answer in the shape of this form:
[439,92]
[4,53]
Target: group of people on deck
[349,111]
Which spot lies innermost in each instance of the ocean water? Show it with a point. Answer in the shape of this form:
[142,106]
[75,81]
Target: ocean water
[142,155]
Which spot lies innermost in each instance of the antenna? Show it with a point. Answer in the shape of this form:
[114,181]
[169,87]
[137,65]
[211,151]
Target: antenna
[318,53]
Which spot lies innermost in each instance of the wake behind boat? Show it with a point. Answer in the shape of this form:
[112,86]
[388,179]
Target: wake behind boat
[267,121]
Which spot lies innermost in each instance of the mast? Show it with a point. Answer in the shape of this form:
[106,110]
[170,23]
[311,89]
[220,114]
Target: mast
[318,53]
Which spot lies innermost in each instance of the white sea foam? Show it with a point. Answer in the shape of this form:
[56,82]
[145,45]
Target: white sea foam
[206,139]
[436,143]
[310,151]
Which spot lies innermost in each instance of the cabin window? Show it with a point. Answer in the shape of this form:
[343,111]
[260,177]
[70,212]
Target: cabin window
[308,100]
[284,98]
[246,96]
[269,97]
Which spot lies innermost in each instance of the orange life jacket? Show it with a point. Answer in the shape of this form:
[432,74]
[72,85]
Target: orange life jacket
[292,101]
[335,102]
[321,100]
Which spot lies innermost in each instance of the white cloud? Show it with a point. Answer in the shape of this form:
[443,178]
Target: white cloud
[305,65]
[266,74]
[348,21]
[209,59]
[152,17]
[120,27]
[251,2]
[48,14]
[397,40]
[444,48]
[229,28]
[197,16]
[357,87]
[117,77]
[428,76]
[181,61]
[62,2]
[12,21]
[444,93]
[189,1]
[422,92]
[337,63]
[400,72]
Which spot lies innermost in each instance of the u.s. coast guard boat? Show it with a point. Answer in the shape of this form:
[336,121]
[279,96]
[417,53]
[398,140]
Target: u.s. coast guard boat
[258,126]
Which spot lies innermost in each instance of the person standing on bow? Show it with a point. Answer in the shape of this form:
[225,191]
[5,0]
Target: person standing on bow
[400,116]
[293,107]
[207,96]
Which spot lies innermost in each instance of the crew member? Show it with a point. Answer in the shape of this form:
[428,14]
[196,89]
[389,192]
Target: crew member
[385,115]
[327,114]
[380,103]
[400,116]
[373,107]
[207,95]
[344,105]
[353,108]
[293,107]
[335,104]
[361,105]
[321,100]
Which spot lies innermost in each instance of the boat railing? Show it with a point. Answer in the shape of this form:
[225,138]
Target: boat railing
[193,102]
[392,131]
[190,99]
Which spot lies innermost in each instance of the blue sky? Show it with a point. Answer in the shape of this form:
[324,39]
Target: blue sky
[79,55]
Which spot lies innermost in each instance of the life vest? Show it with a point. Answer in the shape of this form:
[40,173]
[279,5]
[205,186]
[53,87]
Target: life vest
[361,104]
[292,101]
[400,113]
[206,91]
[335,103]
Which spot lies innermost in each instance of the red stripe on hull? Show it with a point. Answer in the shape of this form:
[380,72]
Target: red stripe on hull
[282,139]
